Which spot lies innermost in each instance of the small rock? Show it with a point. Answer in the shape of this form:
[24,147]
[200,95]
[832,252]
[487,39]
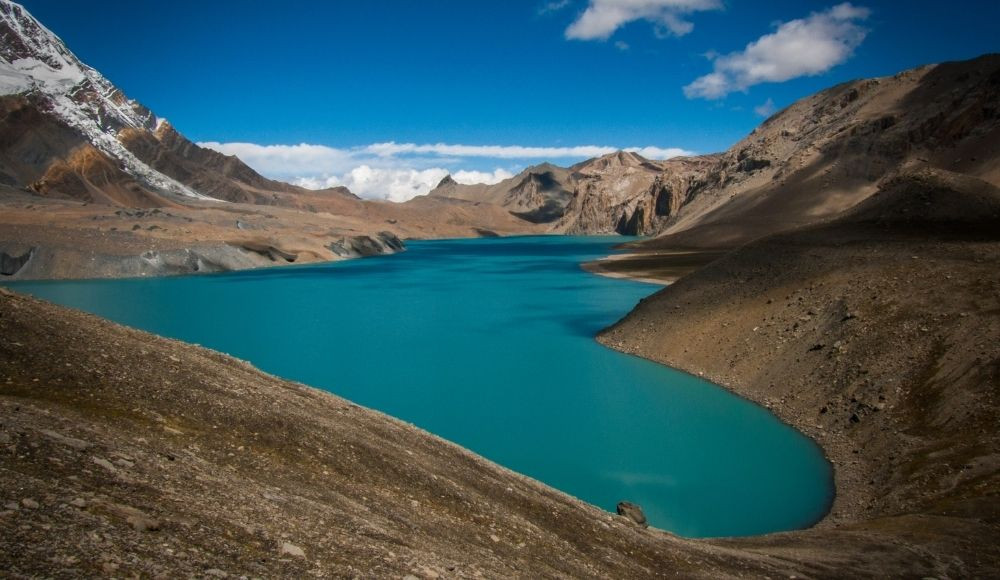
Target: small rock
[12,505]
[216,572]
[104,463]
[143,523]
[78,502]
[68,441]
[30,503]
[633,512]
[292,550]
[495,538]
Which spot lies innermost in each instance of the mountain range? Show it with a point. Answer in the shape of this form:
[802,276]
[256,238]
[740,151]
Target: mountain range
[95,184]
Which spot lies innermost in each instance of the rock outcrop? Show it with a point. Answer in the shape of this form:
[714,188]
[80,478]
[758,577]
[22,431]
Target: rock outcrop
[11,264]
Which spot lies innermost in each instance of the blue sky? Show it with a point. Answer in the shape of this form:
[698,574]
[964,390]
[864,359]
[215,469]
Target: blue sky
[343,76]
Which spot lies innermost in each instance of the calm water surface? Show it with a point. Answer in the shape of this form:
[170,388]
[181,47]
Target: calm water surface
[489,343]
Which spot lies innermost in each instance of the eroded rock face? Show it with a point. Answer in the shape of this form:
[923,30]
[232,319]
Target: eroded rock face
[632,512]
[11,264]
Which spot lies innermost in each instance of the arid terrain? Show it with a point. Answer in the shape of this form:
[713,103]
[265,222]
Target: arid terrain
[838,266]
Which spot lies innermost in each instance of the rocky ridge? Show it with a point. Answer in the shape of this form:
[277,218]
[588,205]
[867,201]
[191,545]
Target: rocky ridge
[827,152]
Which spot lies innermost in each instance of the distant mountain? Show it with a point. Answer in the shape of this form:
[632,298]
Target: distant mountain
[595,196]
[539,194]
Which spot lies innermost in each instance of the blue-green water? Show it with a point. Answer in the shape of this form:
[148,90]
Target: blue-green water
[489,343]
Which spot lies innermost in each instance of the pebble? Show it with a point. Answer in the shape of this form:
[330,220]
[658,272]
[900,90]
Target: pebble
[78,502]
[143,523]
[29,503]
[292,550]
[103,463]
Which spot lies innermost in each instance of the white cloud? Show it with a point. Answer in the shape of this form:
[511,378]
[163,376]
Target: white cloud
[287,160]
[554,6]
[603,17]
[497,176]
[392,148]
[803,47]
[398,184]
[765,109]
[401,171]
[621,45]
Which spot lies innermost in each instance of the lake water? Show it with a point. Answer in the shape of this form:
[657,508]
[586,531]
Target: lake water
[490,343]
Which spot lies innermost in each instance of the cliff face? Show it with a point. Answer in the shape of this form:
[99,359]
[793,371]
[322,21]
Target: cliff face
[631,198]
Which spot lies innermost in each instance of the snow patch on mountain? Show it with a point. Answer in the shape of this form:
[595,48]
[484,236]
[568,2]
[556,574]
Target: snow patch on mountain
[35,62]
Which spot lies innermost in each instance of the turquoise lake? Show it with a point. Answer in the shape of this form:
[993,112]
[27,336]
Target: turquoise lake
[490,343]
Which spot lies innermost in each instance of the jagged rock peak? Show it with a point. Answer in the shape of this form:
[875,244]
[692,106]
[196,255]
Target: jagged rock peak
[36,63]
[34,59]
[447,181]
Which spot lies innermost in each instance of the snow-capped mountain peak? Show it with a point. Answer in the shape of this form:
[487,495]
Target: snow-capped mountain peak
[36,63]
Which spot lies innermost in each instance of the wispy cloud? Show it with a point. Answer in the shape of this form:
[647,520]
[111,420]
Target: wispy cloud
[392,148]
[401,171]
[803,47]
[554,6]
[765,109]
[603,17]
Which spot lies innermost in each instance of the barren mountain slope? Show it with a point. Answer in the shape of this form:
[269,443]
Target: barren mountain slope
[878,335]
[827,152]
